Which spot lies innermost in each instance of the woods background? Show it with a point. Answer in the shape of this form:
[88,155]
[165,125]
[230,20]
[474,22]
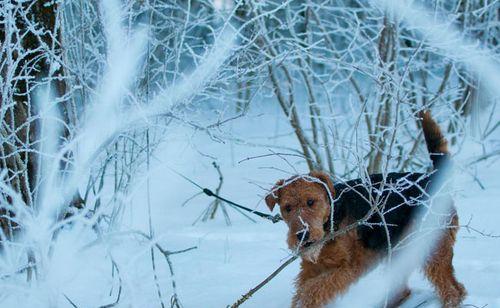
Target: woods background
[89,91]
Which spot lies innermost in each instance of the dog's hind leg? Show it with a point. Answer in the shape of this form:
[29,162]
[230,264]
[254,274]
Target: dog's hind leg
[439,270]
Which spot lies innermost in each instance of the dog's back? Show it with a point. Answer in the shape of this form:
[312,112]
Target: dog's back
[397,195]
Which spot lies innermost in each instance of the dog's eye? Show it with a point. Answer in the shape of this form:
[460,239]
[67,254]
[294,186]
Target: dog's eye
[288,208]
[310,202]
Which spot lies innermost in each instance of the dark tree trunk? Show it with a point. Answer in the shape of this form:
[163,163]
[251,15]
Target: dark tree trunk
[32,32]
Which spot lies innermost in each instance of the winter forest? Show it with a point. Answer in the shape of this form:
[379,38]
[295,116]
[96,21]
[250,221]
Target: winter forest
[140,138]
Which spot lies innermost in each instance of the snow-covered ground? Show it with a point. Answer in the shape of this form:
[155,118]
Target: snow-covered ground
[232,259]
[229,260]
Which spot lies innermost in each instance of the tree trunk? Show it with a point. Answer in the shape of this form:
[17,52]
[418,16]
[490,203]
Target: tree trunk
[31,58]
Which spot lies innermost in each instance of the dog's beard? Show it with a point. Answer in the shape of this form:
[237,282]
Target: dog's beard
[312,253]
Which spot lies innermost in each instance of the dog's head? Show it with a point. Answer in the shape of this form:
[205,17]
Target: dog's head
[305,203]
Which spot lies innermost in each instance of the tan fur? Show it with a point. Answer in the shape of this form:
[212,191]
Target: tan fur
[295,194]
[439,269]
[341,263]
[436,142]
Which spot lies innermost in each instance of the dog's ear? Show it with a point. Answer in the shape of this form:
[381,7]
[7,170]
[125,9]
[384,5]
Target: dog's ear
[273,196]
[325,178]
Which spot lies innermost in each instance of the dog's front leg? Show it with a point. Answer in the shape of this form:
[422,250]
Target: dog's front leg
[320,290]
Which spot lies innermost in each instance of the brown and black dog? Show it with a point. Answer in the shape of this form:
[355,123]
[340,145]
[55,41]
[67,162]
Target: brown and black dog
[327,270]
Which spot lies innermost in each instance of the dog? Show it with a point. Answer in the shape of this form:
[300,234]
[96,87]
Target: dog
[329,268]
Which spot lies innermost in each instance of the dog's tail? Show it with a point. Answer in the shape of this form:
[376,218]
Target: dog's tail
[437,145]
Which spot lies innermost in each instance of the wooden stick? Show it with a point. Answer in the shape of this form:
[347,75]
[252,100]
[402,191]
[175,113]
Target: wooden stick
[252,291]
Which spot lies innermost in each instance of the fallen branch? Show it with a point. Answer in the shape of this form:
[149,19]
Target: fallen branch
[249,294]
[330,237]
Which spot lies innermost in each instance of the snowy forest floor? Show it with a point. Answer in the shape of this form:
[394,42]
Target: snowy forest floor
[229,260]
[232,259]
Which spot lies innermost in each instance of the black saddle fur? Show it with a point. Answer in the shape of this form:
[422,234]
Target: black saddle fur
[399,199]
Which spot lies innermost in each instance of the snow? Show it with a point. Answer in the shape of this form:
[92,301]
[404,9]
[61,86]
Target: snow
[229,260]
[86,270]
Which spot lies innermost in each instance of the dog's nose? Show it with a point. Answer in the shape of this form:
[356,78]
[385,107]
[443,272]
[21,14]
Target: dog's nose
[303,236]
